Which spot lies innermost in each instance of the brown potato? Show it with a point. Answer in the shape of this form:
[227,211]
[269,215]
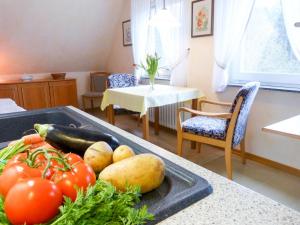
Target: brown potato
[122,152]
[98,156]
[145,170]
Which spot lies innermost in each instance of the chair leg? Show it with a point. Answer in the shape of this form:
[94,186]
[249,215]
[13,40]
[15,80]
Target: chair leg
[138,120]
[199,147]
[179,143]
[243,151]
[228,161]
[92,103]
[193,144]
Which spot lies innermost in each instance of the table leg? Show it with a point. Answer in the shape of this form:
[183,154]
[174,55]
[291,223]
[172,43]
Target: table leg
[194,106]
[145,119]
[156,120]
[111,114]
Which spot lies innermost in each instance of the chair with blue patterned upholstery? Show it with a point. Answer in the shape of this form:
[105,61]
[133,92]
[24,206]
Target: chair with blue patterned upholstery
[225,130]
[122,80]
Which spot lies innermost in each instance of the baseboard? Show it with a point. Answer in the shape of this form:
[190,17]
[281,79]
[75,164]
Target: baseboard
[271,163]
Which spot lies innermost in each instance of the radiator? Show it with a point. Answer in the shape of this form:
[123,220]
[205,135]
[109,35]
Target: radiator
[167,115]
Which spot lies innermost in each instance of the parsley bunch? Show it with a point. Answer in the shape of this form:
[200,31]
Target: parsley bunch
[102,204]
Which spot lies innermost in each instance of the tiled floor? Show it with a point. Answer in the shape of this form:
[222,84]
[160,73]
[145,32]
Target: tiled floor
[278,185]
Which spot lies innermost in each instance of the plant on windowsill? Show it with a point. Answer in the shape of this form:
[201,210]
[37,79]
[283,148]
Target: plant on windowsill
[151,68]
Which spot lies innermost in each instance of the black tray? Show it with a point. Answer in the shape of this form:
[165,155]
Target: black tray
[180,188]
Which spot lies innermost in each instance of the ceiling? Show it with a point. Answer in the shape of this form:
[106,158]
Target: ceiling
[56,35]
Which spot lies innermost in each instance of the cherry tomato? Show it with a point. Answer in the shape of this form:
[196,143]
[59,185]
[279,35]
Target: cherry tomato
[32,201]
[81,176]
[15,174]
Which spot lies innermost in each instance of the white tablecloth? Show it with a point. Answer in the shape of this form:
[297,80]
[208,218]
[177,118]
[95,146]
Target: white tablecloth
[141,98]
[8,106]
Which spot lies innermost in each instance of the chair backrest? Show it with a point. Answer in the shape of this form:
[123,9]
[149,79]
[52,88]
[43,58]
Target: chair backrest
[98,81]
[121,80]
[248,92]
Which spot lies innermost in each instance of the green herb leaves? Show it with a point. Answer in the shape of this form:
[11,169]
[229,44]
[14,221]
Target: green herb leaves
[3,218]
[102,204]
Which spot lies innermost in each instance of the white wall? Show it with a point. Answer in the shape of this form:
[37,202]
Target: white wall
[39,37]
[269,106]
[116,62]
[56,35]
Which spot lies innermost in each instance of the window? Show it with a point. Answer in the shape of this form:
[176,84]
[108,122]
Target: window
[159,39]
[265,53]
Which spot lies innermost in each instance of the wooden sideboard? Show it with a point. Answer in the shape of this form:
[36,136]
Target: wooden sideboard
[38,94]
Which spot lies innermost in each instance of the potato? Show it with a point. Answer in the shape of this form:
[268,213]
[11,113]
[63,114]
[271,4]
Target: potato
[122,152]
[144,170]
[98,156]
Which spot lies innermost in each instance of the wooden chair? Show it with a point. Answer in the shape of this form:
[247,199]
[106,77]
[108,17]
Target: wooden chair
[98,84]
[225,130]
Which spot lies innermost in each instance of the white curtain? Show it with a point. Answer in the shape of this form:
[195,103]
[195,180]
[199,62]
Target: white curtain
[291,15]
[175,41]
[231,19]
[140,12]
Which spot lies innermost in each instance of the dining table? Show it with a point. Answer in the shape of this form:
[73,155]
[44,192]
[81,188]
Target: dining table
[141,98]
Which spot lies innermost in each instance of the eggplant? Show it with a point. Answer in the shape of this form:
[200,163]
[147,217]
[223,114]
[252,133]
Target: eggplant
[76,140]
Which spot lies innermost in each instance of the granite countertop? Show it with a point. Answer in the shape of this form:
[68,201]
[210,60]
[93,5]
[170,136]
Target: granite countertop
[229,204]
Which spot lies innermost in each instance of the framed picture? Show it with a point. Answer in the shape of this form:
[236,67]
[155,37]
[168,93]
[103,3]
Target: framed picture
[202,18]
[126,26]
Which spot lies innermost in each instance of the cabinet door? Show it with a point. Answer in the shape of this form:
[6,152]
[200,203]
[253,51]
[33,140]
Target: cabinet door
[63,93]
[10,91]
[34,95]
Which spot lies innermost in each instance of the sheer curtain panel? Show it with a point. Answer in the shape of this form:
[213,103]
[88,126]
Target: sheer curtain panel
[230,22]
[140,12]
[175,41]
[291,16]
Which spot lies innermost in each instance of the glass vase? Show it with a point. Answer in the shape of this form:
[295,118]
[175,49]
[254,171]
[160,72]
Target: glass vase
[151,82]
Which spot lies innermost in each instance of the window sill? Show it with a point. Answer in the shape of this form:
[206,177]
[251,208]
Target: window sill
[271,87]
[157,78]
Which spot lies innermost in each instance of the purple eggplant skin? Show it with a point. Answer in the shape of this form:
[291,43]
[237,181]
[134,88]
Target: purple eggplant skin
[76,140]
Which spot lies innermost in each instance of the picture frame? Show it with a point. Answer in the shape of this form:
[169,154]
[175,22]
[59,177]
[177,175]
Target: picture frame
[126,28]
[202,18]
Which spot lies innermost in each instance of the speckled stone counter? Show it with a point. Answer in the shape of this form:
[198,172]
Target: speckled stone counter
[230,203]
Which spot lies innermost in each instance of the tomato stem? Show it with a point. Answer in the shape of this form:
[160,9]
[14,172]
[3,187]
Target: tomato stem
[31,159]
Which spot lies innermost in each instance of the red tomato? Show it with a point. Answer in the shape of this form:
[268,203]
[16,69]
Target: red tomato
[15,174]
[32,201]
[81,176]
[73,158]
[10,177]
[66,182]
[17,159]
[85,175]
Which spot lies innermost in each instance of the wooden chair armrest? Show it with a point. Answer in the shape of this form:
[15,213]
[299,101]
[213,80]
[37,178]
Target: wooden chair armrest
[208,114]
[214,102]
